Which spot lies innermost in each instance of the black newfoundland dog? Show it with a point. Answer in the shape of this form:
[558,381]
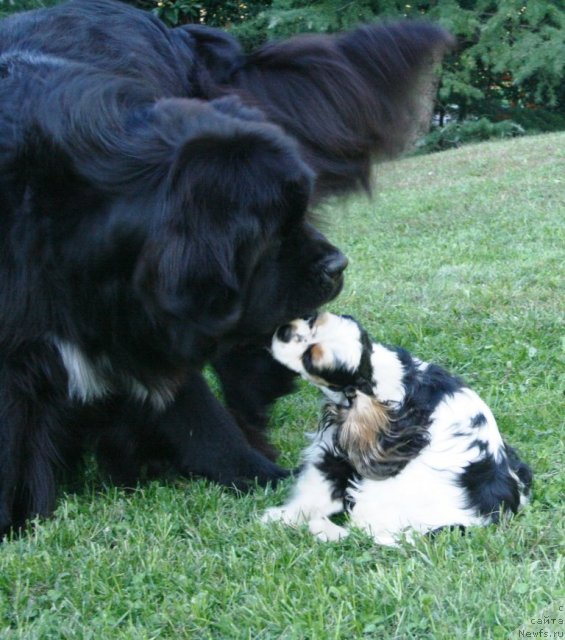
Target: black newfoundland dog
[154,189]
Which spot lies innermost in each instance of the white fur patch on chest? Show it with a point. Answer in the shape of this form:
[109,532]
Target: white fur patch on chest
[91,379]
[87,379]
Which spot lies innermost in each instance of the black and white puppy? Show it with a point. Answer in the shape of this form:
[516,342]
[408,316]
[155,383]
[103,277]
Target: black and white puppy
[403,445]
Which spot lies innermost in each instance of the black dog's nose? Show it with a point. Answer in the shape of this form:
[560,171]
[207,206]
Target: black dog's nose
[284,333]
[335,265]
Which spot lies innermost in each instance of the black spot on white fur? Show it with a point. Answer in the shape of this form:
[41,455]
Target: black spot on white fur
[490,487]
[339,471]
[479,420]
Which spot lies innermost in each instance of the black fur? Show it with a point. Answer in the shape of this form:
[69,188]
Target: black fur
[144,233]
[490,487]
[479,420]
[363,98]
[407,434]
[403,440]
[143,249]
[520,468]
[338,472]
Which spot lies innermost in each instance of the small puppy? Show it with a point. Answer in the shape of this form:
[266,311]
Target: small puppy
[403,446]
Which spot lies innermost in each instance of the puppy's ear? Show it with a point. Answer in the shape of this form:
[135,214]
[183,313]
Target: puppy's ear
[377,444]
[362,427]
[231,186]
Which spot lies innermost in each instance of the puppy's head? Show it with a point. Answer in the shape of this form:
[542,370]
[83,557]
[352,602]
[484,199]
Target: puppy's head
[334,353]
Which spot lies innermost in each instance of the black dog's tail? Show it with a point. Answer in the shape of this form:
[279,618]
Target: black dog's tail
[349,99]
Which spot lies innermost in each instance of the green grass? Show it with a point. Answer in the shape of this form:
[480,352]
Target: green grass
[460,258]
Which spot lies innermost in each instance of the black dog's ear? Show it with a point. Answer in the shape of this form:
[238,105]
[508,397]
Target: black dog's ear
[349,99]
[219,53]
[231,186]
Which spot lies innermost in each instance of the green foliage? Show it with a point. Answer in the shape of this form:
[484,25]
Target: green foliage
[214,13]
[455,134]
[511,51]
[533,119]
[13,6]
[284,18]
[537,120]
[459,258]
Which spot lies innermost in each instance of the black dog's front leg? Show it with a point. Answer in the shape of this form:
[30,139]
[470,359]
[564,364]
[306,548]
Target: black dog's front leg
[251,382]
[206,440]
[9,464]
[31,381]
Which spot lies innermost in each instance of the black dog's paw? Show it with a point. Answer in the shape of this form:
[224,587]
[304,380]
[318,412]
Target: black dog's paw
[261,472]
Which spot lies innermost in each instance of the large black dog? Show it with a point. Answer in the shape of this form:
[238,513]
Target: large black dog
[154,187]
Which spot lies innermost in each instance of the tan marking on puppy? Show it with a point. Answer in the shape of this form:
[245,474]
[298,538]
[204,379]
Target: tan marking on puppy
[317,354]
[359,433]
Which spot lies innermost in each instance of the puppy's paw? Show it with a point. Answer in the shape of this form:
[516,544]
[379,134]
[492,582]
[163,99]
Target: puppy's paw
[326,531]
[283,515]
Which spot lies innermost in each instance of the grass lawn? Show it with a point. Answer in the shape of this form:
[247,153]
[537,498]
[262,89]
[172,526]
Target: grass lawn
[460,257]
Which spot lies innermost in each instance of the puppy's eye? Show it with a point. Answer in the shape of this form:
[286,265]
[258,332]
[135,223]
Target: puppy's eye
[311,319]
[285,333]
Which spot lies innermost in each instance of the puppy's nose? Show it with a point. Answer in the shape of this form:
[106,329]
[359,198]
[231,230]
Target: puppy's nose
[335,264]
[284,333]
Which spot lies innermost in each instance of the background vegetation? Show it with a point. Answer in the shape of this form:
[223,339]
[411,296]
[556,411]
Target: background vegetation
[459,257]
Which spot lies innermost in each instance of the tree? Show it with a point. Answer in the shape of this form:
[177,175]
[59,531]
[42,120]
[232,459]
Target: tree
[511,53]
[215,13]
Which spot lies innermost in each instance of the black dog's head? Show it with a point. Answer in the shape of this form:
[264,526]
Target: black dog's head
[235,254]
[172,224]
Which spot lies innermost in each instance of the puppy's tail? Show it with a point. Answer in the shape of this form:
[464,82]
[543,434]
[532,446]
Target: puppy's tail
[349,99]
[523,473]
